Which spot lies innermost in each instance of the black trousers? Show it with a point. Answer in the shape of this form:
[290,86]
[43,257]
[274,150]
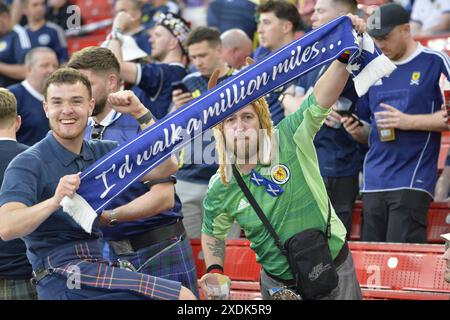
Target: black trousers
[343,192]
[395,216]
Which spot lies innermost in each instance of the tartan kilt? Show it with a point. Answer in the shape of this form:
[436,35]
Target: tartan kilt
[171,259]
[82,266]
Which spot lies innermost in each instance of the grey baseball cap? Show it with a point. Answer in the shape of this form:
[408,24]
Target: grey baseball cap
[386,18]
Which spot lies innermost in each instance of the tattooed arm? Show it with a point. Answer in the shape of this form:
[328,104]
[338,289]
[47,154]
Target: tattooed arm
[213,250]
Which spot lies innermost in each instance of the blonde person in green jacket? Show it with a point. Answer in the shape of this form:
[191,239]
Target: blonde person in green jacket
[302,203]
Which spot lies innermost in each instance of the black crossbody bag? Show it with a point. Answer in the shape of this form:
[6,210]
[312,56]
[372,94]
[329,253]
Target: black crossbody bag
[307,252]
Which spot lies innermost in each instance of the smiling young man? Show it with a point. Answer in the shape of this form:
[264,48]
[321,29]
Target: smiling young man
[37,181]
[293,197]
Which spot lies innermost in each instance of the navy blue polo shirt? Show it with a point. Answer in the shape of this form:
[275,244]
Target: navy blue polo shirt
[337,152]
[50,35]
[155,80]
[13,47]
[410,161]
[122,128]
[13,259]
[30,107]
[32,177]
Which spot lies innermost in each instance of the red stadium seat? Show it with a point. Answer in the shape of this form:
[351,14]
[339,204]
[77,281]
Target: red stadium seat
[77,43]
[240,260]
[400,271]
[356,221]
[443,152]
[92,11]
[438,221]
[438,42]
[384,270]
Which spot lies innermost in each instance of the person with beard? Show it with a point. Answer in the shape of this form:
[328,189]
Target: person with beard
[152,238]
[153,80]
[279,166]
[67,261]
[40,63]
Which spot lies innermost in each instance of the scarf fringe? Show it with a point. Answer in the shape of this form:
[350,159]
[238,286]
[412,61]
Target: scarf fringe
[372,72]
[80,211]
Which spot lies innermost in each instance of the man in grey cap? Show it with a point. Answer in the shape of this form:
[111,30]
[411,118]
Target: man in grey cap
[446,237]
[402,124]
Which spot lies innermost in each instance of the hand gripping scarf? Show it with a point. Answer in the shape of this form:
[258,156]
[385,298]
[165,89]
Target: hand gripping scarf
[117,170]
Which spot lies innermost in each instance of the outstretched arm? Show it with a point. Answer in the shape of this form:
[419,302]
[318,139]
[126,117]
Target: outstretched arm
[327,90]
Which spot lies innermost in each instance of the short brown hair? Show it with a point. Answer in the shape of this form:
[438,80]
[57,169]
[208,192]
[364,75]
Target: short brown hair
[8,108]
[282,10]
[4,8]
[97,59]
[200,34]
[67,76]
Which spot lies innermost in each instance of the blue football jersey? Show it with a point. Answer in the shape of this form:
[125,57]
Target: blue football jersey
[50,35]
[410,161]
[13,47]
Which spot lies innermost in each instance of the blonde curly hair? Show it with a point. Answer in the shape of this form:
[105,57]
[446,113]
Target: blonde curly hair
[266,147]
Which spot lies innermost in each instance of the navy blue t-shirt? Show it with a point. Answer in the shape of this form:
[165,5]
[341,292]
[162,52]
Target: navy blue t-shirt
[410,161]
[155,80]
[122,128]
[337,152]
[32,177]
[50,35]
[13,47]
[30,107]
[13,259]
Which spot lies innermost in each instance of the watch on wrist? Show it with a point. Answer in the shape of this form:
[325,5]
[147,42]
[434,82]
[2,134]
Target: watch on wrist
[112,218]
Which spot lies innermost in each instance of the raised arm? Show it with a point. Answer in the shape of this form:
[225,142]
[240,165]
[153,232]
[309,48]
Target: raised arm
[327,90]
[127,102]
[128,70]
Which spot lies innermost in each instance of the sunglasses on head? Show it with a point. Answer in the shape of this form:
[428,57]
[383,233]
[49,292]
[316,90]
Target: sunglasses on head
[97,132]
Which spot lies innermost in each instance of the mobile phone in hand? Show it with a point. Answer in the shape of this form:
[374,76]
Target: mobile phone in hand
[179,85]
[348,113]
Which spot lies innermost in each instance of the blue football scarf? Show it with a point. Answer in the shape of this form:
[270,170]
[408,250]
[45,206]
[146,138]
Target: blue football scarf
[113,173]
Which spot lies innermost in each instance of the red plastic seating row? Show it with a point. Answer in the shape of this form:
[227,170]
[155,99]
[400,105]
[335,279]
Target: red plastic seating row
[384,270]
[401,271]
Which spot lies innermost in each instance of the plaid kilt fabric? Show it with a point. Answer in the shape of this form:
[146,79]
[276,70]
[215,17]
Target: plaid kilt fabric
[82,265]
[171,259]
[17,290]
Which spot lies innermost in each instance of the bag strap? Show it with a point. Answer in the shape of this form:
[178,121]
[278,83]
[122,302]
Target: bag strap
[263,217]
[258,209]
